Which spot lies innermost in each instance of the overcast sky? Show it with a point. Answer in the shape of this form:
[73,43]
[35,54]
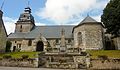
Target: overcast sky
[52,12]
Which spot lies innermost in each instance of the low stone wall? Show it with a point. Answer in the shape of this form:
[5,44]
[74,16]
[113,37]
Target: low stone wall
[19,62]
[105,64]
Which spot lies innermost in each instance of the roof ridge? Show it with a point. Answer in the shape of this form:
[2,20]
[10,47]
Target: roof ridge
[54,25]
[88,19]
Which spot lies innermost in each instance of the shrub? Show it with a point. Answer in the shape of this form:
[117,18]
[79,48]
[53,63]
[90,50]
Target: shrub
[25,56]
[8,46]
[7,56]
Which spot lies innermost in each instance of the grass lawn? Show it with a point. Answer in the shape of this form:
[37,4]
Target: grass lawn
[19,54]
[109,53]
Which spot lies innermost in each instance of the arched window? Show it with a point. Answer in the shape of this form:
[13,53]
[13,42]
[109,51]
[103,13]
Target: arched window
[79,38]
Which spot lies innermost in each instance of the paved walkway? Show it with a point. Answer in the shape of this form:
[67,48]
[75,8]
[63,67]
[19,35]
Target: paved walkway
[21,68]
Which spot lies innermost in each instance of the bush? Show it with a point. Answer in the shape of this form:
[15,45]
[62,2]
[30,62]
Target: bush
[8,46]
[25,56]
[7,56]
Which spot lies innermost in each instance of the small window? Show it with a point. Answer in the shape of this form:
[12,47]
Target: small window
[15,42]
[23,15]
[27,17]
[29,42]
[69,40]
[21,28]
[18,45]
[57,41]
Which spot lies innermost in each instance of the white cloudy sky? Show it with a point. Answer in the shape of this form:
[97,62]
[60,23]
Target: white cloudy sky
[55,12]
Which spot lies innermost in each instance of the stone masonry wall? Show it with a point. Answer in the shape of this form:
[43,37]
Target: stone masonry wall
[92,36]
[105,64]
[19,62]
[3,36]
[26,27]
[76,31]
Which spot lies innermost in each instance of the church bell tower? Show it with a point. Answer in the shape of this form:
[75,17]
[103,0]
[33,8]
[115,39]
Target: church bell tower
[25,22]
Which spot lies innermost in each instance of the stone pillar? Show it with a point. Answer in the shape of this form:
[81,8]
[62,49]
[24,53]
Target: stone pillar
[63,38]
[62,44]
[87,61]
[36,62]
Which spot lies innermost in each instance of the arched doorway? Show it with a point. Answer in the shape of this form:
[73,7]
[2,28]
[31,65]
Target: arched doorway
[14,48]
[40,46]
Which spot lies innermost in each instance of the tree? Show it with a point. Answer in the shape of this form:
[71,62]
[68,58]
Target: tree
[111,17]
[8,46]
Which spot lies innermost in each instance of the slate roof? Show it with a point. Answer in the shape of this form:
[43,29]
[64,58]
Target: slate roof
[88,19]
[46,31]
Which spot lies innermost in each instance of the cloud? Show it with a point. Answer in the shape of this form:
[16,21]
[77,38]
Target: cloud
[9,24]
[40,24]
[65,11]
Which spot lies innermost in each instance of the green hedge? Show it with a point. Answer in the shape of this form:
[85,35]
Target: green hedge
[20,54]
[108,53]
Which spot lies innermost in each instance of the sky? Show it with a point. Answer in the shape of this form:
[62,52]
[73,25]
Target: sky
[52,12]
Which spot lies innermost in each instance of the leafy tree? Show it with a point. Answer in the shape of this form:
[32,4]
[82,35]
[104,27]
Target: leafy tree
[8,46]
[111,17]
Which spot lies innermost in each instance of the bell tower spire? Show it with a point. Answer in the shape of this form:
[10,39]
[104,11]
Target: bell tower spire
[26,21]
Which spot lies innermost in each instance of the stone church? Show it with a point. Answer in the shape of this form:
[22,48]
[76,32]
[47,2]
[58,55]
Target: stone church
[87,35]
[3,34]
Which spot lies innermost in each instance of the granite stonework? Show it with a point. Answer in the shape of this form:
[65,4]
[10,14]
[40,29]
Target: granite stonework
[110,64]
[3,34]
[61,46]
[72,58]
[27,35]
[19,62]
[92,36]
